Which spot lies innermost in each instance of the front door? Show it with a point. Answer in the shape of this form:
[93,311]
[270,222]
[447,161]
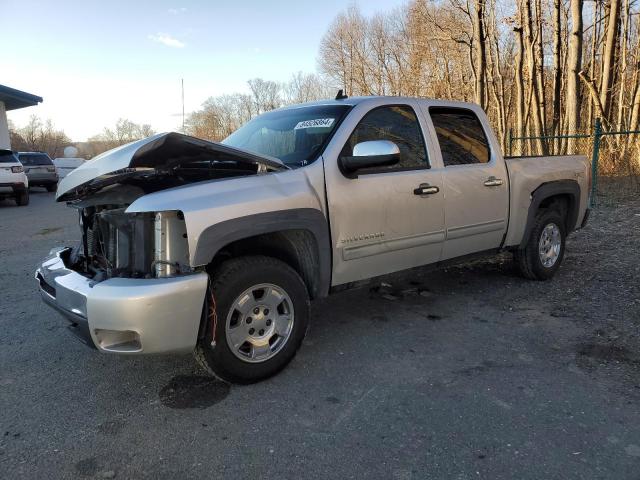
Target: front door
[390,218]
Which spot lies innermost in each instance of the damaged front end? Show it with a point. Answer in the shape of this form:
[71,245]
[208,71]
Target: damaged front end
[131,245]
[129,285]
[116,243]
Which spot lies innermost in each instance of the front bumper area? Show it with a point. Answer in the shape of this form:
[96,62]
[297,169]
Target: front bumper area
[126,315]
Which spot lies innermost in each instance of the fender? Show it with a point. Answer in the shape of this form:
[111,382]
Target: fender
[550,189]
[217,236]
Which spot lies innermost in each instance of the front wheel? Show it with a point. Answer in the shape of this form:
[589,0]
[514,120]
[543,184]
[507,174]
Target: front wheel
[258,312]
[544,251]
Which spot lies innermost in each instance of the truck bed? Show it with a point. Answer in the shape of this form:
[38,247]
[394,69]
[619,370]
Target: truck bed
[526,174]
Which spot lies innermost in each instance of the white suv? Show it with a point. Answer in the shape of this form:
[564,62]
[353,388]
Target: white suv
[13,180]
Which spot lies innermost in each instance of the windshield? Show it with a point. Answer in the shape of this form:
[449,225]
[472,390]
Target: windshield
[7,156]
[295,136]
[34,159]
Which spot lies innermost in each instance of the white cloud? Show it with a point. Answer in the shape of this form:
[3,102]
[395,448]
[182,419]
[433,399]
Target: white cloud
[176,11]
[167,40]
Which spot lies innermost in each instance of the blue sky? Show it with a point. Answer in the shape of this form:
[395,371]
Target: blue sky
[94,62]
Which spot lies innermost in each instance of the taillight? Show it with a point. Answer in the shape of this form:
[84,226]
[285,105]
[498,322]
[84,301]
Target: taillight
[17,169]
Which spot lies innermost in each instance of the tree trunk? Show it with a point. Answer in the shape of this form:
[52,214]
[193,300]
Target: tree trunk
[620,124]
[573,79]
[535,104]
[557,70]
[591,86]
[480,60]
[608,57]
[538,41]
[595,38]
[519,81]
[634,123]
[635,111]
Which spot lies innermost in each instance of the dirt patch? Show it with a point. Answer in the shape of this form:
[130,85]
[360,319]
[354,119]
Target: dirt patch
[87,467]
[605,352]
[484,367]
[193,391]
[111,427]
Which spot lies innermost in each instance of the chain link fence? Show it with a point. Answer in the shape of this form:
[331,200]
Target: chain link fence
[615,157]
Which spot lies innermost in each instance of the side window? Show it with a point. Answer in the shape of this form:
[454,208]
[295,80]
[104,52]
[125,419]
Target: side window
[398,124]
[461,136]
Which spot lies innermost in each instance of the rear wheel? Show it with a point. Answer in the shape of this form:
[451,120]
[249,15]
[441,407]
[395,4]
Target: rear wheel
[258,312]
[543,254]
[22,198]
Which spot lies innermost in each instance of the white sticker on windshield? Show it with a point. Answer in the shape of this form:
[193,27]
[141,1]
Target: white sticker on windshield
[318,122]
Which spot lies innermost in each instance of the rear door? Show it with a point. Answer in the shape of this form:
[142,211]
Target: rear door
[475,182]
[390,218]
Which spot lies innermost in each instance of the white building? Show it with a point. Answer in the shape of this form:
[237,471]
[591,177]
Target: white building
[12,99]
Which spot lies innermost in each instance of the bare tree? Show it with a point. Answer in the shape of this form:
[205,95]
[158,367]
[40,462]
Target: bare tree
[479,40]
[608,58]
[574,67]
[38,136]
[124,131]
[266,94]
[306,87]
[531,38]
[519,77]
[557,67]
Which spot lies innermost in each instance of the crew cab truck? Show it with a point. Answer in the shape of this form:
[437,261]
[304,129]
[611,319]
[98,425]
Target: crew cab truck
[218,248]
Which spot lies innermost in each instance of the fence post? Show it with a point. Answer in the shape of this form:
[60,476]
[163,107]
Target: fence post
[510,142]
[597,134]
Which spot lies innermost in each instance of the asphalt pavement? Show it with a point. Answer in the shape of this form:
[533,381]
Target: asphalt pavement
[469,372]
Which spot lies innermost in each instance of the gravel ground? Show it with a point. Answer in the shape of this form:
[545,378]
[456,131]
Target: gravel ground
[468,372]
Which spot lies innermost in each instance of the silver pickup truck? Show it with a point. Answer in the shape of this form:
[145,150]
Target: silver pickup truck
[218,248]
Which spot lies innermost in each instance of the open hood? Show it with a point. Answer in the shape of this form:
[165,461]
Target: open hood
[158,152]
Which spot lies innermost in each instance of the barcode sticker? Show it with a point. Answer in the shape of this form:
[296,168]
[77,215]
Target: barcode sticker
[318,122]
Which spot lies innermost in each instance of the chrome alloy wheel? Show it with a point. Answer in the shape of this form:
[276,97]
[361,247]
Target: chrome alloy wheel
[259,323]
[549,245]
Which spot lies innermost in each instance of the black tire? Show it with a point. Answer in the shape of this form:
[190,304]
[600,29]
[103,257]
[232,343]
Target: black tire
[52,187]
[528,259]
[229,281]
[22,198]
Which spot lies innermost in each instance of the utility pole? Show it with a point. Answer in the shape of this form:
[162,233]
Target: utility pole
[182,83]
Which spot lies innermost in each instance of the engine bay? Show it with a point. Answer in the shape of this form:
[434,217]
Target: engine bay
[139,245]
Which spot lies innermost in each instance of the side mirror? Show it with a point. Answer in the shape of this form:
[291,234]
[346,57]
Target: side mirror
[375,153]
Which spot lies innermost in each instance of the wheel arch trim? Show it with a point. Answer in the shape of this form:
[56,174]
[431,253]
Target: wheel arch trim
[571,188]
[215,237]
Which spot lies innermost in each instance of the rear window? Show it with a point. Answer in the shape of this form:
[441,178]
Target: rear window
[461,136]
[7,156]
[34,159]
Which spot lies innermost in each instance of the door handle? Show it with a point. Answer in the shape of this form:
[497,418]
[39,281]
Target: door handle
[425,189]
[493,182]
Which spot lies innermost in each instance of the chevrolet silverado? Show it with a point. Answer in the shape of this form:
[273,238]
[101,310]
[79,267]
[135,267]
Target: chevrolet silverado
[218,248]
